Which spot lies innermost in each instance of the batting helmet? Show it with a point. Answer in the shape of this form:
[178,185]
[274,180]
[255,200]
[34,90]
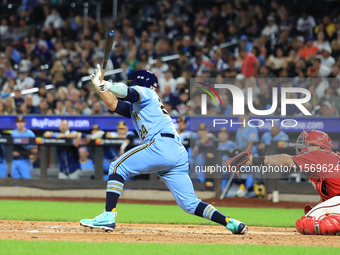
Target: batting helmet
[313,137]
[144,78]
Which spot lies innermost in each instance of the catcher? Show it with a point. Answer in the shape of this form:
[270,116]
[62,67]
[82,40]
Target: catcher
[315,158]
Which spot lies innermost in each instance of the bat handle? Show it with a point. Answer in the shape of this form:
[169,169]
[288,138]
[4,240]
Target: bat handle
[102,76]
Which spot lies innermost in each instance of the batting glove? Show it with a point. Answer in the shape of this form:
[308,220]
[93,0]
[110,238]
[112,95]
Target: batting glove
[95,78]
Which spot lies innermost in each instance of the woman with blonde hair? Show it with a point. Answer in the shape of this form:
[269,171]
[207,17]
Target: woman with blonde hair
[9,106]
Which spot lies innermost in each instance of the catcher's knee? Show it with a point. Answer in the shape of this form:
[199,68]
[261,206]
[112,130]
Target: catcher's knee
[327,224]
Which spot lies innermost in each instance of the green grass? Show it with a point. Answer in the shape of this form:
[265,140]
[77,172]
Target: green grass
[83,248]
[140,213]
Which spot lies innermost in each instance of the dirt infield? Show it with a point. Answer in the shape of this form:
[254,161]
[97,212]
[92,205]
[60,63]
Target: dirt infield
[158,233]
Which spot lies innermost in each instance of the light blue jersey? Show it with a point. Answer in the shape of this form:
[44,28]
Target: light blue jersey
[245,135]
[267,137]
[161,152]
[228,146]
[21,165]
[149,116]
[3,165]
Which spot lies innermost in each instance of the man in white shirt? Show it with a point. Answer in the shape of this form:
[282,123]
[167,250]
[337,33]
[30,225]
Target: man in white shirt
[271,27]
[167,80]
[326,58]
[306,23]
[24,81]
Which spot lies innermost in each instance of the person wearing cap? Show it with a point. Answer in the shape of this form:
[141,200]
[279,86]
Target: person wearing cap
[21,163]
[122,132]
[24,81]
[271,28]
[205,142]
[309,51]
[68,156]
[182,130]
[326,58]
[245,43]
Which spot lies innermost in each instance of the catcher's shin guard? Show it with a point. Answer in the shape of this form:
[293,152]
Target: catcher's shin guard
[327,224]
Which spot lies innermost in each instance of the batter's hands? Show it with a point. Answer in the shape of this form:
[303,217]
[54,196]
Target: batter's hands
[95,78]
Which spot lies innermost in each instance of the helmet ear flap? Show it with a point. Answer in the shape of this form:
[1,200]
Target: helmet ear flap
[301,143]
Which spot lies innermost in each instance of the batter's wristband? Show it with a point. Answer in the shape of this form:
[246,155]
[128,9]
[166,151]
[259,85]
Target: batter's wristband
[258,161]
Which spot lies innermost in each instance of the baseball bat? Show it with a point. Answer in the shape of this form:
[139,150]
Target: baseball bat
[110,36]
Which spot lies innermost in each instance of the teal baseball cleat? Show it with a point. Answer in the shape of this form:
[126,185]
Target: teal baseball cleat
[237,227]
[105,221]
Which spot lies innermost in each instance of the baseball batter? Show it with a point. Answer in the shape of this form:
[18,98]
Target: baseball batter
[161,151]
[322,166]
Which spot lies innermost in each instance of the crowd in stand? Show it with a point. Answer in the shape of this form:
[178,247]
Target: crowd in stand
[44,44]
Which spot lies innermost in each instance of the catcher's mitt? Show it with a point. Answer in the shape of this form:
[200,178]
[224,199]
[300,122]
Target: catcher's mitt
[239,160]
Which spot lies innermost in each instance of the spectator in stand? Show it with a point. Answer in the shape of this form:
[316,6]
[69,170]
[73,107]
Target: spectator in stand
[31,109]
[42,78]
[276,61]
[168,80]
[271,27]
[18,99]
[97,109]
[328,26]
[24,81]
[8,86]
[326,58]
[169,97]
[250,64]
[245,43]
[306,24]
[320,40]
[9,106]
[309,51]
[318,69]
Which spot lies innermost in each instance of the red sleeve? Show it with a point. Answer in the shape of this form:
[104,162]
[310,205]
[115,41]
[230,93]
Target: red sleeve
[318,164]
[304,160]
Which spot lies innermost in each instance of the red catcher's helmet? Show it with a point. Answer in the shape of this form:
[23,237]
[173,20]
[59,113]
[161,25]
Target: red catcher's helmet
[313,137]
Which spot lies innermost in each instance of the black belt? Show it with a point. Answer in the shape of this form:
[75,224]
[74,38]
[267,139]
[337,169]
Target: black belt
[168,135]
